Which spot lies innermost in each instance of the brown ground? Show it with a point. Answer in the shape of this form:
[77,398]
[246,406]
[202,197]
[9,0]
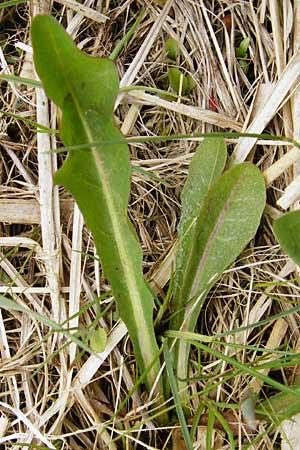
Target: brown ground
[51,400]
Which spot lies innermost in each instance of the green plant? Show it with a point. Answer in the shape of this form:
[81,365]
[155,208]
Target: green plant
[287,232]
[178,80]
[242,53]
[85,89]
[220,213]
[172,49]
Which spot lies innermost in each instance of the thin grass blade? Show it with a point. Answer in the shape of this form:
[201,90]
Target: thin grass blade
[174,389]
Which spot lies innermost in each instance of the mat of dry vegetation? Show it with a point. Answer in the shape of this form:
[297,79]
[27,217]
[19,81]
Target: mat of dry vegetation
[52,394]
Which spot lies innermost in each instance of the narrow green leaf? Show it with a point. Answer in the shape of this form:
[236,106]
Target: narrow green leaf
[254,372]
[20,80]
[205,168]
[85,88]
[260,323]
[150,175]
[12,3]
[210,429]
[38,126]
[125,39]
[281,406]
[173,137]
[287,232]
[242,49]
[229,218]
[174,389]
[225,426]
[10,305]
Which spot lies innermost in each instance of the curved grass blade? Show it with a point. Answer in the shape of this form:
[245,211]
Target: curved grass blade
[229,218]
[174,389]
[20,80]
[40,128]
[11,305]
[85,88]
[12,3]
[281,406]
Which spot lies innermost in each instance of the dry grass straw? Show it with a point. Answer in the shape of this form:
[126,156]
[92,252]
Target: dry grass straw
[52,394]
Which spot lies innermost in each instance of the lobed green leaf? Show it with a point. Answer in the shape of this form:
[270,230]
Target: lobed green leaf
[85,88]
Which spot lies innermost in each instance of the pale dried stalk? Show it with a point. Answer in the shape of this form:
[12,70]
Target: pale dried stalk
[50,246]
[86,11]
[280,57]
[34,432]
[280,166]
[296,95]
[6,354]
[19,281]
[267,112]
[28,211]
[291,194]
[75,276]
[46,195]
[228,78]
[276,337]
[261,306]
[192,112]
[144,49]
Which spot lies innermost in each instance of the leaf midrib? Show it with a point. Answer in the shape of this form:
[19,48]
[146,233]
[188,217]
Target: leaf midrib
[193,291]
[191,253]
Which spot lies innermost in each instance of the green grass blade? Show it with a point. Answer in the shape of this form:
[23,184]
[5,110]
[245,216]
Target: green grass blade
[85,89]
[20,80]
[9,305]
[203,338]
[225,426]
[228,220]
[210,429]
[287,231]
[281,406]
[12,3]
[181,137]
[254,372]
[174,389]
[40,128]
[205,168]
[127,37]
